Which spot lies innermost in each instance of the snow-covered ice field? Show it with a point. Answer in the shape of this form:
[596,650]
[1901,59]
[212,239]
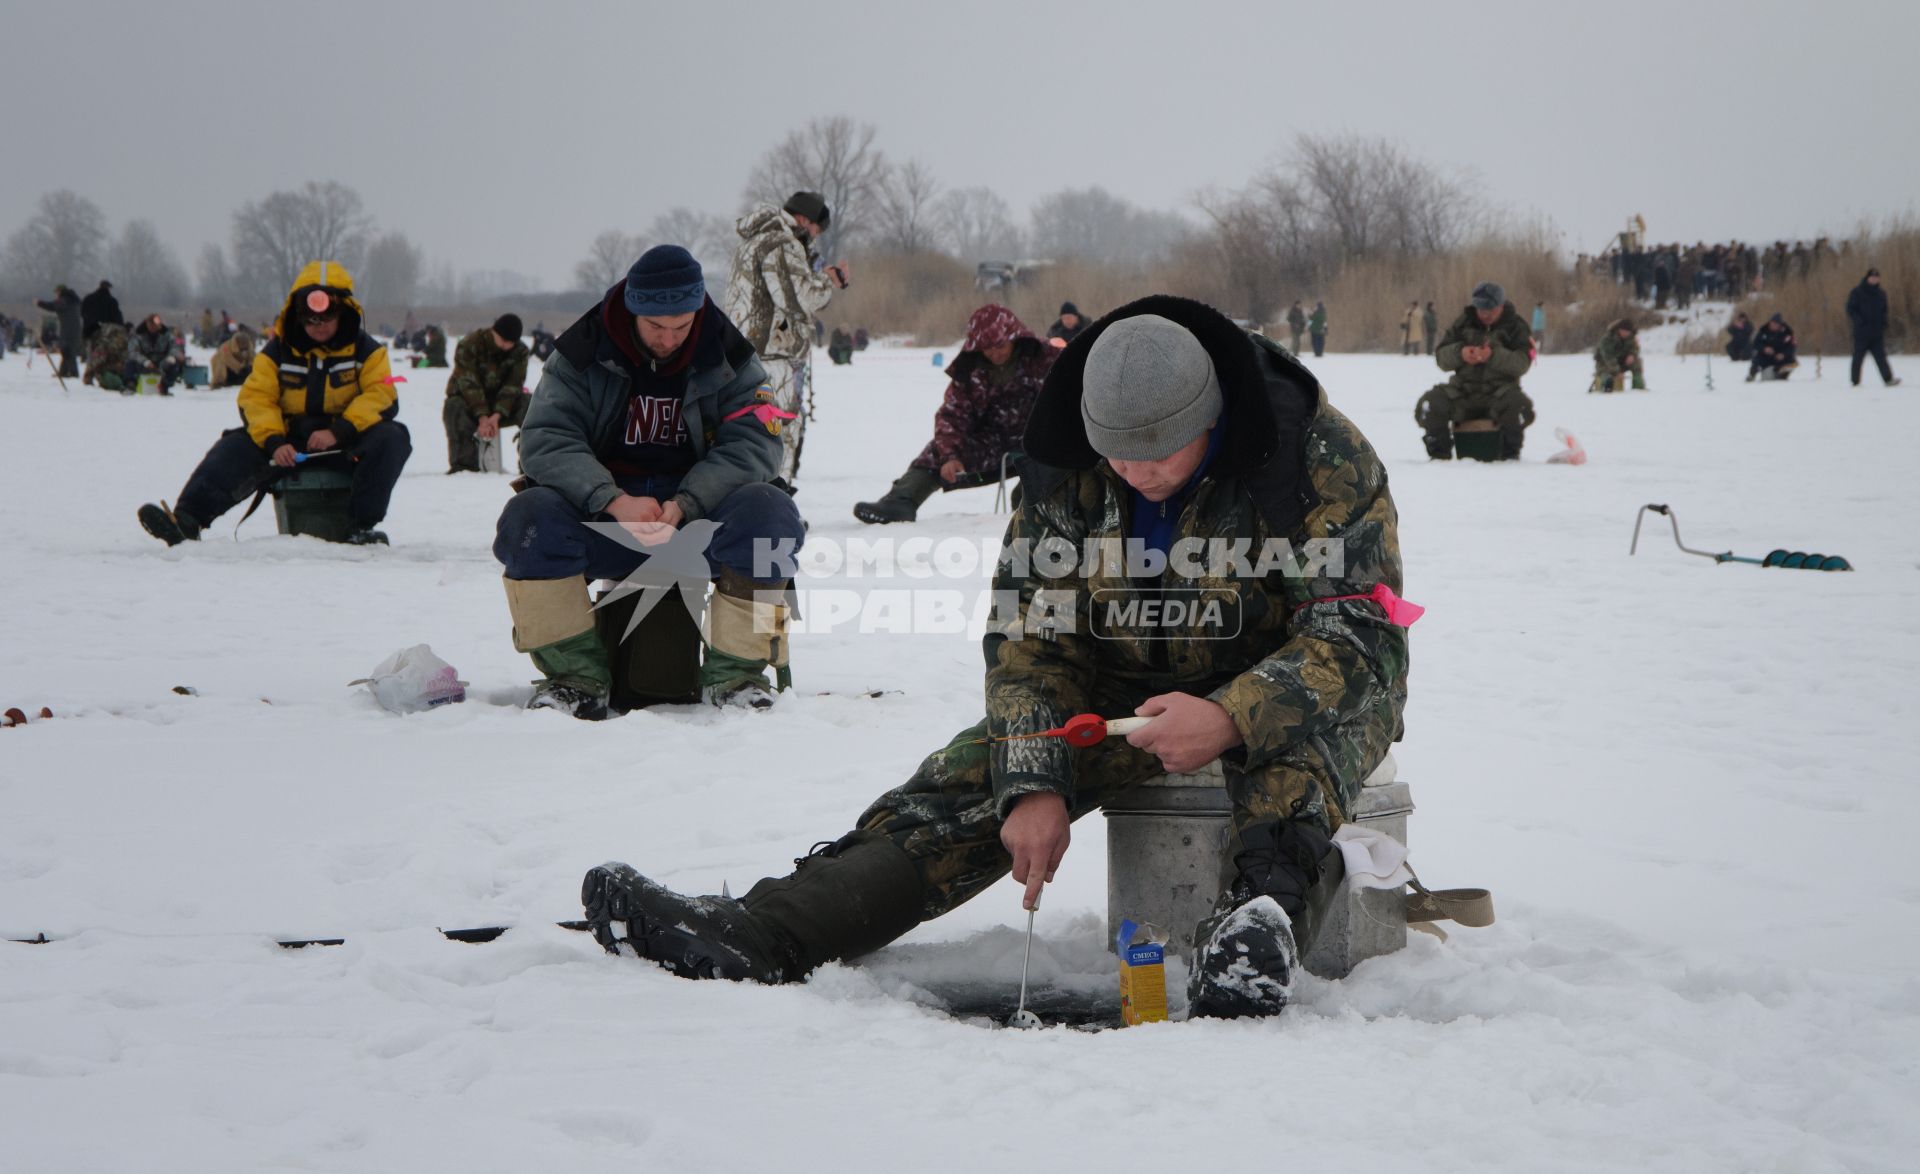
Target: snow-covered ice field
[1690,787]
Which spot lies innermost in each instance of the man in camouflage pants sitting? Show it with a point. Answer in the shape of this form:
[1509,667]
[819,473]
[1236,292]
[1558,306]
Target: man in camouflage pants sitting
[107,358]
[1487,349]
[1165,431]
[486,392]
[1617,358]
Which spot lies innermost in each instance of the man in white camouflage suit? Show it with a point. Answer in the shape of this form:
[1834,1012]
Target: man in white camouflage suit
[773,296]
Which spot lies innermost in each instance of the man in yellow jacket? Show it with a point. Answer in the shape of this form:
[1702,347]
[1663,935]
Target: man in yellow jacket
[322,385]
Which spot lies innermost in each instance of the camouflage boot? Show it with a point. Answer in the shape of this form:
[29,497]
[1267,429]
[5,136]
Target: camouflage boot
[553,623]
[843,899]
[746,635]
[1246,954]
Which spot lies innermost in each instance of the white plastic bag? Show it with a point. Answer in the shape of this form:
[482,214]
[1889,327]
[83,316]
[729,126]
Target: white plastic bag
[414,679]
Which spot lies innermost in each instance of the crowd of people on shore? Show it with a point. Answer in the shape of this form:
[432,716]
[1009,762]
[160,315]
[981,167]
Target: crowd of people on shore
[1676,274]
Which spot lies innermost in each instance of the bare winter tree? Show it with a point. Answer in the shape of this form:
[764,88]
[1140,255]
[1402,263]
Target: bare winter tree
[978,225]
[485,284]
[708,236]
[145,270]
[266,257]
[276,237]
[1345,178]
[1246,250]
[1092,224]
[608,258]
[1155,235]
[64,241]
[1084,224]
[1334,201]
[213,280]
[1428,212]
[835,157]
[906,213]
[337,226]
[390,275]
[441,286]
[1375,200]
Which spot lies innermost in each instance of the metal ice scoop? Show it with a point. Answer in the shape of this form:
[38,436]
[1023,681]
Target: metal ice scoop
[1022,1017]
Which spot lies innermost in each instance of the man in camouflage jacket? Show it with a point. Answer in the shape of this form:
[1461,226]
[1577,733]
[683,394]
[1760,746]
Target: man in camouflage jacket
[991,388]
[154,349]
[107,359]
[1617,357]
[486,392]
[774,295]
[1488,348]
[1164,429]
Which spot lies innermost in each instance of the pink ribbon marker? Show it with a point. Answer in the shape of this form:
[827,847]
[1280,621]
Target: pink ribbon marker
[1401,613]
[393,379]
[765,413]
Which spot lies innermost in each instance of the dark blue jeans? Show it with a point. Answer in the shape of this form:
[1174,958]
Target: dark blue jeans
[542,535]
[235,467]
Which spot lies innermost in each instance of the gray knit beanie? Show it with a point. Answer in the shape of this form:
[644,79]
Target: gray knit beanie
[1148,391]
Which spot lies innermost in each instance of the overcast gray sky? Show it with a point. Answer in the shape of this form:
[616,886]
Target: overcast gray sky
[505,136]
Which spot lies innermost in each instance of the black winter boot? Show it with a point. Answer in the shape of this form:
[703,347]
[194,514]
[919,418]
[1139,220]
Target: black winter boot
[844,899]
[167,525]
[902,502]
[1245,954]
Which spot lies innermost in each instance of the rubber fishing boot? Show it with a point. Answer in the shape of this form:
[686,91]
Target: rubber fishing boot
[553,623]
[746,635]
[902,502]
[842,900]
[1246,954]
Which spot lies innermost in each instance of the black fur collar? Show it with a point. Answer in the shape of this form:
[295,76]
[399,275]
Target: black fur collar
[1247,372]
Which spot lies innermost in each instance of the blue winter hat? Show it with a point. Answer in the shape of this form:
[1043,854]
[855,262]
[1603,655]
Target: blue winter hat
[666,280]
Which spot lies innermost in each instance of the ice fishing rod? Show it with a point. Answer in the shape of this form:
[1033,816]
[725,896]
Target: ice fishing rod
[476,935]
[1792,560]
[1081,730]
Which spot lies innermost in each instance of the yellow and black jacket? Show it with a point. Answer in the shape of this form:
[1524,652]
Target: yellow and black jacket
[346,382]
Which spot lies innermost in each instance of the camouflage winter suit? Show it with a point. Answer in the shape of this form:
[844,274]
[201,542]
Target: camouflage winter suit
[773,296]
[1480,391]
[1616,357]
[107,357]
[485,380]
[1315,687]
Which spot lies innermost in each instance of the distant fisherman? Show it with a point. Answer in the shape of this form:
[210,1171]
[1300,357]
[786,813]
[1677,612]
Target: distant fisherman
[322,385]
